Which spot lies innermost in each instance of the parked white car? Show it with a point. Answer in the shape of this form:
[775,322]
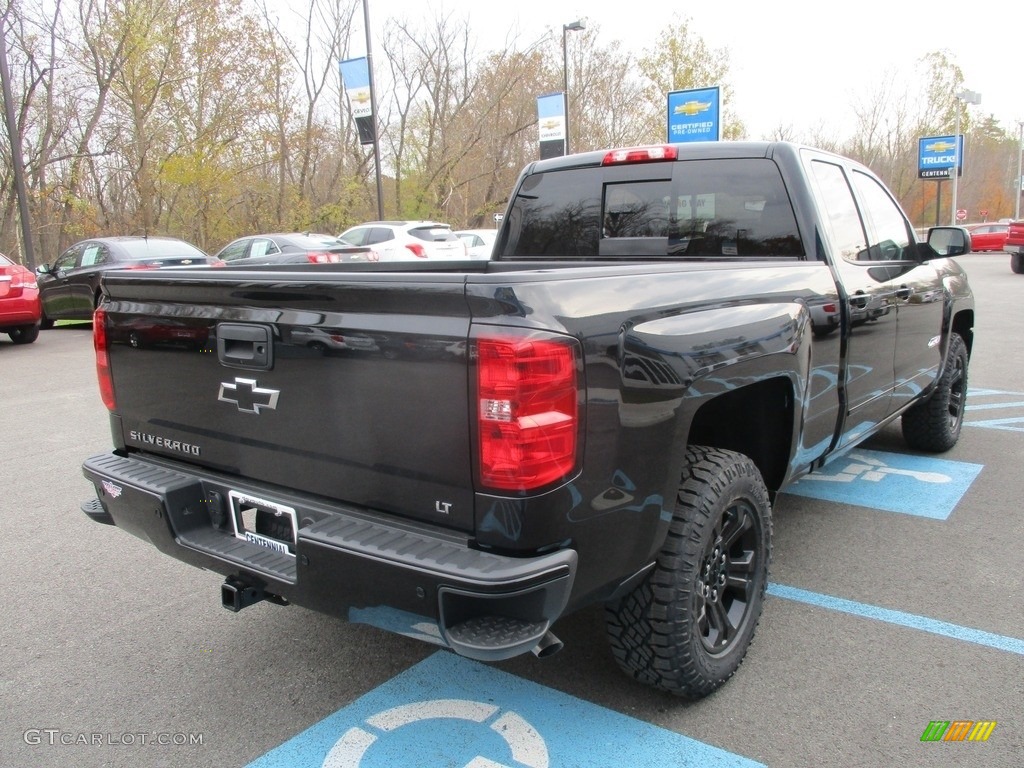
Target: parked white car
[407,240]
[479,241]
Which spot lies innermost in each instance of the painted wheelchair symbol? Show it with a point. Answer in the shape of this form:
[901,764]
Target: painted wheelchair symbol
[525,743]
[869,468]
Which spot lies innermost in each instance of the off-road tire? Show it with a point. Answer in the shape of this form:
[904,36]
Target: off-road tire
[1017,263]
[934,425]
[686,628]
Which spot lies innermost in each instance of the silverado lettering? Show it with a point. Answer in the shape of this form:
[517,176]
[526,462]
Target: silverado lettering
[601,414]
[161,442]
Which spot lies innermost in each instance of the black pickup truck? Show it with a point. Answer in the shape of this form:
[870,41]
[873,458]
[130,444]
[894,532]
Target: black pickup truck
[601,414]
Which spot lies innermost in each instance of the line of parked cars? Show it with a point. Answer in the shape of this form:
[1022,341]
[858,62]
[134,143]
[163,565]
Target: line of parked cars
[69,287]
[291,248]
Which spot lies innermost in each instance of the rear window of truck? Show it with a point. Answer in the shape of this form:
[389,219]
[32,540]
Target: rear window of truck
[703,209]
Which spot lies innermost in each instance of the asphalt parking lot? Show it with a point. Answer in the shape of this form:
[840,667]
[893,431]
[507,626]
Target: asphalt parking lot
[895,607]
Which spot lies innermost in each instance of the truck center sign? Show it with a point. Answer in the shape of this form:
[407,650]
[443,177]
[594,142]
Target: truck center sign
[937,155]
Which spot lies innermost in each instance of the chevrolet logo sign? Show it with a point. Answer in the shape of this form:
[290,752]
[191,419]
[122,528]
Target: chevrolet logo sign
[692,108]
[940,146]
[248,396]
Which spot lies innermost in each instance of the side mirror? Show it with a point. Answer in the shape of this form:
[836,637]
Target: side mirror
[949,241]
[43,269]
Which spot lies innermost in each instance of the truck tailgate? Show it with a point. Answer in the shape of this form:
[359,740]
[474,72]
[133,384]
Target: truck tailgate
[352,389]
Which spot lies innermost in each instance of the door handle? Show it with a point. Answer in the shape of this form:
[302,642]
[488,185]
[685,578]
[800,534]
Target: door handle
[245,346]
[859,300]
[903,293]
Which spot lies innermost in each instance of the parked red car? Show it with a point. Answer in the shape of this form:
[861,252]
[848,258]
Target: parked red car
[20,311]
[988,237]
[1014,246]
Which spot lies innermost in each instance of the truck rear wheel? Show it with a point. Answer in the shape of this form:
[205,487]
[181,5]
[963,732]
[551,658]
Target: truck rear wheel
[935,424]
[686,628]
[1017,262]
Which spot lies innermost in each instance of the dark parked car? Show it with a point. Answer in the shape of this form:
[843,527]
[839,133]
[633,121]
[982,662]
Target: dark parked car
[292,248]
[19,302]
[69,287]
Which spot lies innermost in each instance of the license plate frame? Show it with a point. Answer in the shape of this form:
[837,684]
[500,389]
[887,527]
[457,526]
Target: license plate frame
[246,509]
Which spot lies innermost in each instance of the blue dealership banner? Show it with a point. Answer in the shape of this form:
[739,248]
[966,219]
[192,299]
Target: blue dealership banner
[936,156]
[551,124]
[695,115]
[355,76]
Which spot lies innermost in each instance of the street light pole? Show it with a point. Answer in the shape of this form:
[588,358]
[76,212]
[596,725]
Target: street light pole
[967,97]
[373,112]
[1020,183]
[574,26]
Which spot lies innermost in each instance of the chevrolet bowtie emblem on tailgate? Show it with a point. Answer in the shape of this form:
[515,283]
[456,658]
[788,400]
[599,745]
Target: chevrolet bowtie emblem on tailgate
[247,396]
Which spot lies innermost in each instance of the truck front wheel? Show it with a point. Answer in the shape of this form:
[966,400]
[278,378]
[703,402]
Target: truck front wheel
[935,424]
[686,628]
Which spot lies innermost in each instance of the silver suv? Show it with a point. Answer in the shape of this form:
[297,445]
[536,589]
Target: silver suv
[407,240]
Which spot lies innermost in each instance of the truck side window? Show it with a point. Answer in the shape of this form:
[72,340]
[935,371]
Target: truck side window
[841,211]
[890,234]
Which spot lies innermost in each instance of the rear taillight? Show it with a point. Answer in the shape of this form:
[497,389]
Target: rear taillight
[14,279]
[418,250]
[322,257]
[99,342]
[527,411]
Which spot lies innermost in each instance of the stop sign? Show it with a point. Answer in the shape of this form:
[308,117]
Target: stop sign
[961,214]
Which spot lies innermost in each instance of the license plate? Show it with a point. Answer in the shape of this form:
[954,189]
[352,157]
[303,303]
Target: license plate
[263,523]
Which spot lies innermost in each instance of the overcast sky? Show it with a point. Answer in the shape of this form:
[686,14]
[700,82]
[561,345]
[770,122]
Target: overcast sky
[792,62]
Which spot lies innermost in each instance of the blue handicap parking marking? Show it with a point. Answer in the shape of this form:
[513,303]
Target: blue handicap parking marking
[996,401]
[901,618]
[450,711]
[891,482]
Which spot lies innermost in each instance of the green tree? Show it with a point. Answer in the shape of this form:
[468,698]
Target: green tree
[681,60]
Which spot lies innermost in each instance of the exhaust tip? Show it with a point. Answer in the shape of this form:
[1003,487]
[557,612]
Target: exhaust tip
[549,645]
